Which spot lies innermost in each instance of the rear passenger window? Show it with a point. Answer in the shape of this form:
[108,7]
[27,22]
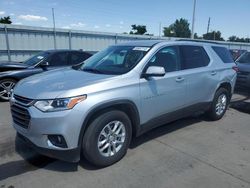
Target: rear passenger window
[193,57]
[59,59]
[224,54]
[76,58]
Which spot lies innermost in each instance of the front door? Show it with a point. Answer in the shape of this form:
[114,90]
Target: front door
[162,95]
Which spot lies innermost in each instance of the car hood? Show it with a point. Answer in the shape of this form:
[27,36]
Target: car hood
[244,67]
[59,83]
[11,65]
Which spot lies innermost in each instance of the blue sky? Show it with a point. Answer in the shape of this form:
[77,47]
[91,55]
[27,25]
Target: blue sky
[231,17]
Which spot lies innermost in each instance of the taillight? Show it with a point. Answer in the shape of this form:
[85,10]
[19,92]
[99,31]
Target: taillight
[235,68]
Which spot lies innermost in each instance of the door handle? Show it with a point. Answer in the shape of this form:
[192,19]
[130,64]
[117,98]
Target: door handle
[213,73]
[179,79]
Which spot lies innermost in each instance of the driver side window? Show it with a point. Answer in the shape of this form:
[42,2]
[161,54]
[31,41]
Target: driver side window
[168,58]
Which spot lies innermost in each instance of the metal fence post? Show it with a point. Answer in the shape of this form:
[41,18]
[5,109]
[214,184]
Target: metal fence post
[54,32]
[70,39]
[7,42]
[116,38]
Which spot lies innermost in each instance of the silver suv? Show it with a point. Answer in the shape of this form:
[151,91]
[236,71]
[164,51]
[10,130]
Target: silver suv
[123,91]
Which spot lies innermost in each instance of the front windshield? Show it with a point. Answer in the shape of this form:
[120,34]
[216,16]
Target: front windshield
[115,60]
[245,58]
[36,59]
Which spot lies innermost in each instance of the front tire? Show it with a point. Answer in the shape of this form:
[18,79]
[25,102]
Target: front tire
[107,138]
[6,87]
[219,105]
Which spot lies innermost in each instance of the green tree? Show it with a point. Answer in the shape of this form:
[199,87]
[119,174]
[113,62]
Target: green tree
[214,35]
[232,38]
[180,28]
[237,39]
[138,29]
[5,20]
[196,36]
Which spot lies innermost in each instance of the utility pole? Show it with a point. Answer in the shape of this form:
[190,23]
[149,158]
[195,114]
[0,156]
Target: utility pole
[54,27]
[208,24]
[160,30]
[193,20]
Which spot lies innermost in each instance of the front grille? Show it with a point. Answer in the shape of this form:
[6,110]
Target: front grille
[20,116]
[22,100]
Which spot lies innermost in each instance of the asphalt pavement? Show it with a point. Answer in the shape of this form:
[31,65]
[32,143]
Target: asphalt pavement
[192,152]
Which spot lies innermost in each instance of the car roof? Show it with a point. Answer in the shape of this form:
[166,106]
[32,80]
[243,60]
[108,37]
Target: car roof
[146,43]
[150,43]
[63,50]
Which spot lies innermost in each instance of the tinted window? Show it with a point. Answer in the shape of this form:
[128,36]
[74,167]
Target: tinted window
[168,58]
[78,57]
[224,54]
[193,57]
[245,58]
[59,59]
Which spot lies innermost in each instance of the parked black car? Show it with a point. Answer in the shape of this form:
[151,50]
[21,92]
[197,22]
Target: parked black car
[12,72]
[243,77]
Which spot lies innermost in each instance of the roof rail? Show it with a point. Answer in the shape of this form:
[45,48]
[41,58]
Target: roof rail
[198,40]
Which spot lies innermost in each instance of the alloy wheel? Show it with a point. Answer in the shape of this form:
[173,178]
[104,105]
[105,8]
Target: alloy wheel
[111,138]
[6,87]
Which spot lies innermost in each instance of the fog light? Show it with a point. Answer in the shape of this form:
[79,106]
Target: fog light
[58,141]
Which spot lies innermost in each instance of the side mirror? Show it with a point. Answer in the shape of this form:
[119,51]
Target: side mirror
[154,71]
[44,65]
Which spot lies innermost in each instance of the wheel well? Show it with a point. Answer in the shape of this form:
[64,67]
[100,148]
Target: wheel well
[128,108]
[226,86]
[11,78]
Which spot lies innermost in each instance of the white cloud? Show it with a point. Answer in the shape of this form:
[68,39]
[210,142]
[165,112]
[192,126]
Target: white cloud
[66,27]
[96,26]
[74,25]
[79,24]
[17,23]
[107,25]
[12,14]
[32,18]
[2,12]
[121,22]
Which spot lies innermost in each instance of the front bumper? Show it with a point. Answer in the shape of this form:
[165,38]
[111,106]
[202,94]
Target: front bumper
[66,123]
[71,155]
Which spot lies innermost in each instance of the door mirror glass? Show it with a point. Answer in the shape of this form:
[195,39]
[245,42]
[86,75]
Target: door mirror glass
[44,64]
[155,71]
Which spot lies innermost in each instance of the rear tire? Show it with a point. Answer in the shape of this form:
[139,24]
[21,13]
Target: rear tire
[107,138]
[6,86]
[219,105]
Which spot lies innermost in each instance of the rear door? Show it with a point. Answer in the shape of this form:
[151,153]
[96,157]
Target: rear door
[200,77]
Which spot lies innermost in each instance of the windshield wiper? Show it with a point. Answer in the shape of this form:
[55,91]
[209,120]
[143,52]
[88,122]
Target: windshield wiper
[92,70]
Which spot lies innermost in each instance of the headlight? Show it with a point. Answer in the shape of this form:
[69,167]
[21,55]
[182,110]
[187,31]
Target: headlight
[58,104]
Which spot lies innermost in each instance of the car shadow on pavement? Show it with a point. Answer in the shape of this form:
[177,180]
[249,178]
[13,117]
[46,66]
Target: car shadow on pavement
[241,103]
[166,129]
[32,161]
